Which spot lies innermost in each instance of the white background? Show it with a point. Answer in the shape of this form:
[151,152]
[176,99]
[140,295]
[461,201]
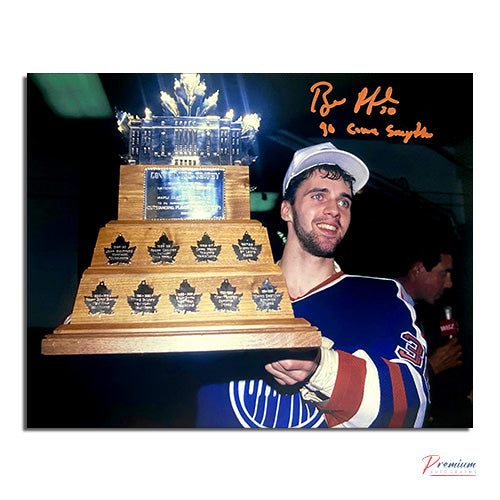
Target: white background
[258,36]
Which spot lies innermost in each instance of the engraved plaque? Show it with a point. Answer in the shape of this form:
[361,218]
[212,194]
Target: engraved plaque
[246,249]
[143,301]
[266,298]
[207,250]
[174,193]
[164,251]
[101,301]
[120,251]
[185,299]
[226,298]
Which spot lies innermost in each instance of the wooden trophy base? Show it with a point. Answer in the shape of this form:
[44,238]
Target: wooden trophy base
[181,286]
[186,337]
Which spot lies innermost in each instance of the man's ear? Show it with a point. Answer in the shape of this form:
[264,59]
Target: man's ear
[286,211]
[418,268]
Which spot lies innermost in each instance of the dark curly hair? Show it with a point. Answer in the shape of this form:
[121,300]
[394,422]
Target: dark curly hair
[330,171]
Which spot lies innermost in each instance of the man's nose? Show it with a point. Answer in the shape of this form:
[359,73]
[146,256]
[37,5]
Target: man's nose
[448,283]
[331,208]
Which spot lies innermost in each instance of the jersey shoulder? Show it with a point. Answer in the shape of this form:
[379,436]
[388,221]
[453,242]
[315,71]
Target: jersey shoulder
[357,287]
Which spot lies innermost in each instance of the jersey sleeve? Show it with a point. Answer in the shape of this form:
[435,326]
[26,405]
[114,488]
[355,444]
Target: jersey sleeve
[382,383]
[375,393]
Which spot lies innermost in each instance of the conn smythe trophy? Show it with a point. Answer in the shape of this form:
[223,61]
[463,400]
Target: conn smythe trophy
[184,268]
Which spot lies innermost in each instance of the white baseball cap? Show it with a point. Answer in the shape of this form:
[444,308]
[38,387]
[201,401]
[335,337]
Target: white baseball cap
[327,154]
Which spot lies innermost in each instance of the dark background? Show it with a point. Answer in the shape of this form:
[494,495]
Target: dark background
[72,171]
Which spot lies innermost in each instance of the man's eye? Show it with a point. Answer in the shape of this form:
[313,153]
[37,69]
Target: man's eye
[344,203]
[317,196]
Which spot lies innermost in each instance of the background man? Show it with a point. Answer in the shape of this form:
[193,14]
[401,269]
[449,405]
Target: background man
[369,371]
[426,275]
[427,278]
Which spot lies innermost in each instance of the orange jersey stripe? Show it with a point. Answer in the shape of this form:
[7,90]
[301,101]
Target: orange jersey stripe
[399,395]
[348,391]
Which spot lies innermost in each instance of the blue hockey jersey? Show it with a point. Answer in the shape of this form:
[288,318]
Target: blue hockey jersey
[381,373]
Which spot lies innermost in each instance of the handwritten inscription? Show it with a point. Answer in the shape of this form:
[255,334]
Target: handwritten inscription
[392,132]
[326,106]
[324,102]
[408,134]
[371,102]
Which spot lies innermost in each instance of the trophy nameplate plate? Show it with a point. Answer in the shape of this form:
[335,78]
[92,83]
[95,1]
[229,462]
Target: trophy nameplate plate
[185,298]
[143,301]
[266,298]
[164,251]
[206,250]
[184,193]
[246,249]
[119,252]
[226,298]
[101,301]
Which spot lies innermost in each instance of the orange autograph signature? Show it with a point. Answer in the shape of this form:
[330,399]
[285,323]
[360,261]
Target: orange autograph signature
[384,105]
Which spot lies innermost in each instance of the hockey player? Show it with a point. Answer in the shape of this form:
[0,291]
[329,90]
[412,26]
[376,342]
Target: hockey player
[369,371]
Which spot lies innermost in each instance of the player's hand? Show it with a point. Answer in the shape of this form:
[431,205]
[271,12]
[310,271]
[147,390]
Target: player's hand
[292,371]
[447,356]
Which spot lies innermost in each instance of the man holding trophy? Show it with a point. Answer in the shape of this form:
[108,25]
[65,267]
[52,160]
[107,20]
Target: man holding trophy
[369,370]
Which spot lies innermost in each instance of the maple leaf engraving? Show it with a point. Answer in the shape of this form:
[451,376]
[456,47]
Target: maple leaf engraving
[206,249]
[185,299]
[143,301]
[164,251]
[246,249]
[226,298]
[101,301]
[120,251]
[266,298]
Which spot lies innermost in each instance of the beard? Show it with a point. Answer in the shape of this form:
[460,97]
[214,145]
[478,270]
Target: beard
[310,241]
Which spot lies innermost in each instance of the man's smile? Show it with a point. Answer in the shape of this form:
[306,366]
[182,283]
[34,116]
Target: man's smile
[327,228]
